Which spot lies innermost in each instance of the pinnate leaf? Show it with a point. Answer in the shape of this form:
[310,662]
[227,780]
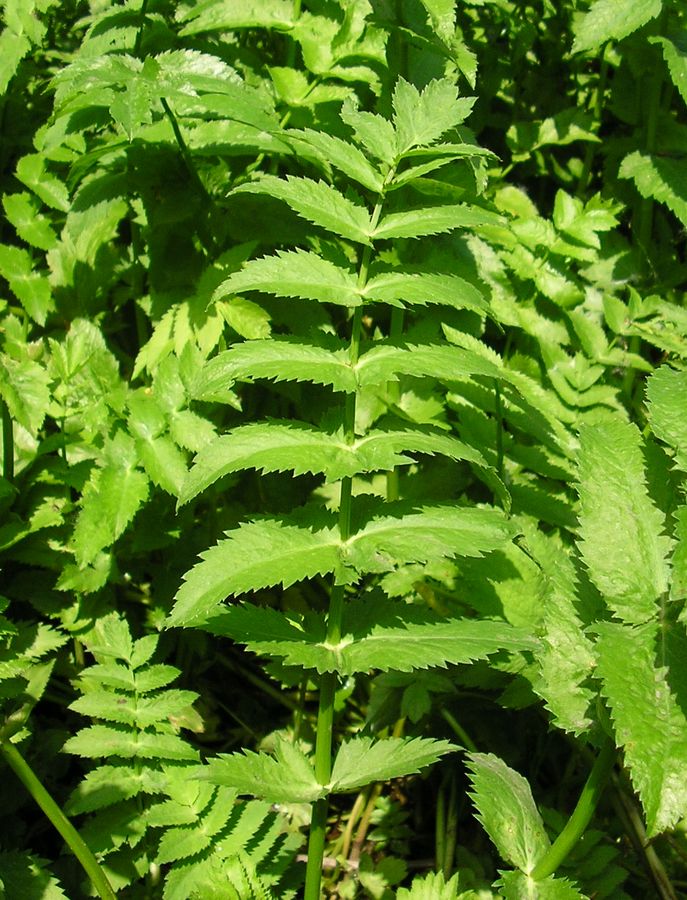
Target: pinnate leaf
[296,446]
[390,636]
[317,202]
[507,811]
[621,531]
[362,760]
[649,723]
[107,740]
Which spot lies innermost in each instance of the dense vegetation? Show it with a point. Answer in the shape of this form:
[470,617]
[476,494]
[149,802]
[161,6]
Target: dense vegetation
[343,378]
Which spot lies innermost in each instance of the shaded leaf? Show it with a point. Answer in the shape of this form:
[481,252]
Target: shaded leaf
[390,637]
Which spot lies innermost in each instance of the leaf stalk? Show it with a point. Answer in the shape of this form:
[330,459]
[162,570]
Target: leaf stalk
[71,836]
[581,815]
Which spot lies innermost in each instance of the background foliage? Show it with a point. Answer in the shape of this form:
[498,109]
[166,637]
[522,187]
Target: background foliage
[367,317]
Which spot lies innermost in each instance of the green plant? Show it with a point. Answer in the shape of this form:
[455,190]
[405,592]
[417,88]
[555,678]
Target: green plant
[424,371]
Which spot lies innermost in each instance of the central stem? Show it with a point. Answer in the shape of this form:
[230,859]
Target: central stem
[329,681]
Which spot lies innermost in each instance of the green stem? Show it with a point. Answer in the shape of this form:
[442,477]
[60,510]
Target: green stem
[71,836]
[291,52]
[646,208]
[7,443]
[141,27]
[460,732]
[451,837]
[329,681]
[394,393]
[581,816]
[498,408]
[597,107]
[185,152]
[440,829]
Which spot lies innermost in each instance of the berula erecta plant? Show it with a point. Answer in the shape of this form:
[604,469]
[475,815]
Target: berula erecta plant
[256,259]
[356,537]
